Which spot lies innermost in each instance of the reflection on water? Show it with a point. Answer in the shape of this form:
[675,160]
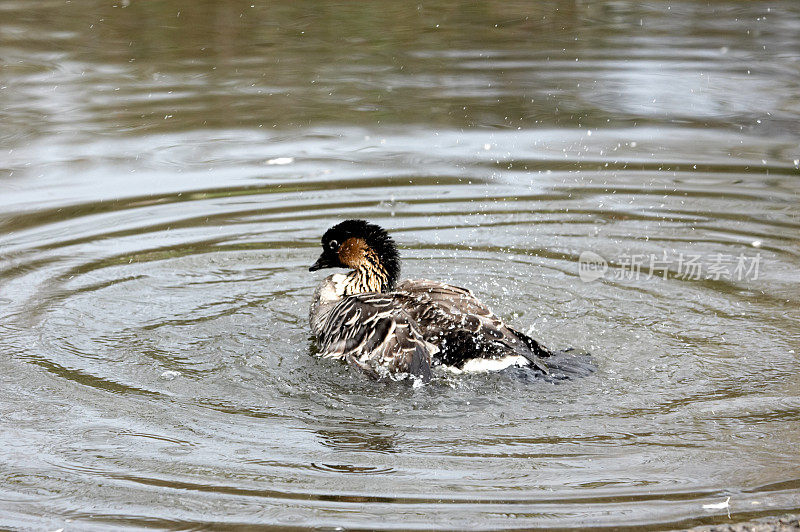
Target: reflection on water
[167,169]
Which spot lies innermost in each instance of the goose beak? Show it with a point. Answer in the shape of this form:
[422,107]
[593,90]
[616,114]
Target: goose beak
[322,262]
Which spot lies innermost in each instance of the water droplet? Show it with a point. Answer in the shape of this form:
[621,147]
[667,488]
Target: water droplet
[280,161]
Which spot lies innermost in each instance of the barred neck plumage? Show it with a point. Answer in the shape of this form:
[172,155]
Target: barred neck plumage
[367,250]
[370,276]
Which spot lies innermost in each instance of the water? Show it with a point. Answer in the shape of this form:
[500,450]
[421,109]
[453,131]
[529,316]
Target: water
[167,169]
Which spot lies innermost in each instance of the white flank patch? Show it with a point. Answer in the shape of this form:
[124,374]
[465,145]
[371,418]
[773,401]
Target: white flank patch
[482,365]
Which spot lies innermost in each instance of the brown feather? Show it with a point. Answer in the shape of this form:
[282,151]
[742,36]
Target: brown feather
[373,332]
[461,326]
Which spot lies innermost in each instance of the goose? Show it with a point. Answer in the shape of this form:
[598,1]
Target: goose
[394,329]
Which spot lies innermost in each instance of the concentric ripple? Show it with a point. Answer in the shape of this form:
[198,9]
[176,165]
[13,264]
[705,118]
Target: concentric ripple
[160,206]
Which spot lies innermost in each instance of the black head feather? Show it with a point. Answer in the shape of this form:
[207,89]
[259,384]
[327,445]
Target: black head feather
[374,235]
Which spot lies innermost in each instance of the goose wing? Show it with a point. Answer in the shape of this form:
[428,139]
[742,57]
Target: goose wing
[374,332]
[461,326]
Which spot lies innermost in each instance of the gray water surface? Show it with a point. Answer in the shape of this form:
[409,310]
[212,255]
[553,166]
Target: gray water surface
[167,169]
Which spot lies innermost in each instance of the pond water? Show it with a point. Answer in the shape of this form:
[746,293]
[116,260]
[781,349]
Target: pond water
[620,177]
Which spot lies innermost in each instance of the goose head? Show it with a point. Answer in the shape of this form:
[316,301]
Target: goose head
[367,250]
